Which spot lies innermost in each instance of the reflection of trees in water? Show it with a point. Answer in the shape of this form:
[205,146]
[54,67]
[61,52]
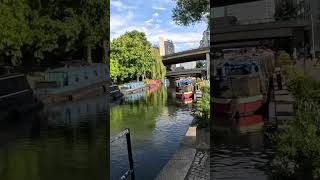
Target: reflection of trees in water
[139,116]
[58,152]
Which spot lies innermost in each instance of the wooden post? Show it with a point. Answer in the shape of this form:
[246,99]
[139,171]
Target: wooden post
[130,155]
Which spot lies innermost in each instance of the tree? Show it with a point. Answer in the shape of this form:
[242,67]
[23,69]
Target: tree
[158,69]
[190,11]
[131,53]
[14,30]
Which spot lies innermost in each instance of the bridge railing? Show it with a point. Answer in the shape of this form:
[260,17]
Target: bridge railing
[130,171]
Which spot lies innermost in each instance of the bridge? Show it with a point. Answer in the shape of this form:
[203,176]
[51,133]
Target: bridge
[187,72]
[223,36]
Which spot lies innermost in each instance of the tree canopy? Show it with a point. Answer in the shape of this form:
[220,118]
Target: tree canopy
[133,57]
[45,30]
[189,12]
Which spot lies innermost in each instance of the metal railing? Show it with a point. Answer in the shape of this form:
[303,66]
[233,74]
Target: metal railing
[130,171]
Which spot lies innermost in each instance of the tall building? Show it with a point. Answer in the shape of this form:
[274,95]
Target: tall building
[166,46]
[205,42]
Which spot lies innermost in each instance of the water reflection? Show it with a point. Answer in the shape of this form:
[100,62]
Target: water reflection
[65,141]
[157,126]
[240,149]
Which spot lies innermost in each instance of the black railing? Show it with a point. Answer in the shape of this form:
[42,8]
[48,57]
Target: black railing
[130,171]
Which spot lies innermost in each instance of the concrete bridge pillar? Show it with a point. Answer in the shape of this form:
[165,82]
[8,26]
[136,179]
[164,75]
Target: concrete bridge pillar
[208,65]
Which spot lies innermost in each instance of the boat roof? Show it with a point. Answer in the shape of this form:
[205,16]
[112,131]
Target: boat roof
[74,67]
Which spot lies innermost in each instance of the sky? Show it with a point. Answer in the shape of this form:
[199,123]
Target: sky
[154,18]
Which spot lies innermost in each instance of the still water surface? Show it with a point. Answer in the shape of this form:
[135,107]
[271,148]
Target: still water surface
[62,142]
[242,155]
[157,124]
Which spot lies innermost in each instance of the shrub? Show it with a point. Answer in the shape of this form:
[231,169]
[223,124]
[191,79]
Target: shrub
[297,149]
[283,59]
[202,113]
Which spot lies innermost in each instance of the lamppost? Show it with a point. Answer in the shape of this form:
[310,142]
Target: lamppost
[313,43]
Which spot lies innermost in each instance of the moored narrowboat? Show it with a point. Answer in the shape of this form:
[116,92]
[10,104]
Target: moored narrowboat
[241,85]
[16,96]
[184,89]
[133,87]
[73,81]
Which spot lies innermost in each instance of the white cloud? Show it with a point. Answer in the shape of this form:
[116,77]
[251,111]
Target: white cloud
[120,6]
[159,8]
[155,14]
[120,21]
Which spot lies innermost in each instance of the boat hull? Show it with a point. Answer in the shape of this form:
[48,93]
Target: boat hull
[242,105]
[185,95]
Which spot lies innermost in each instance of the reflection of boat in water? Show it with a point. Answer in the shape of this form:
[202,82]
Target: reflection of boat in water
[73,112]
[244,124]
[134,97]
[184,89]
[185,101]
[16,96]
[133,87]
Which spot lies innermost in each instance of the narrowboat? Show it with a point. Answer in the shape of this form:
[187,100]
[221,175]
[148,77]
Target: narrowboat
[16,96]
[133,87]
[115,92]
[73,81]
[241,86]
[184,89]
[153,85]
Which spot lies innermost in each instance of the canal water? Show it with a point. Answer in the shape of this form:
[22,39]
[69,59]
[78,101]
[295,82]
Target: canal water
[62,142]
[157,124]
[241,151]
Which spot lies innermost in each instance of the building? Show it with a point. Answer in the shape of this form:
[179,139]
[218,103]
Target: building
[205,42]
[260,11]
[267,11]
[166,46]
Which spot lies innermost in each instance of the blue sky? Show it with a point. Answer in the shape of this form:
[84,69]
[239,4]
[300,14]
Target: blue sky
[153,17]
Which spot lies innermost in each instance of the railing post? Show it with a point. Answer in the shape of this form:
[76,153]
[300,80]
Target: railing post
[130,155]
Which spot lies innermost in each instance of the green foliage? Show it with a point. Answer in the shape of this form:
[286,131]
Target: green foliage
[298,147]
[190,11]
[283,59]
[158,69]
[202,113]
[44,30]
[132,57]
[14,30]
[302,86]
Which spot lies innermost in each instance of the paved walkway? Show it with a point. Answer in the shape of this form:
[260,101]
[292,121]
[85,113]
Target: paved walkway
[178,166]
[282,105]
[200,168]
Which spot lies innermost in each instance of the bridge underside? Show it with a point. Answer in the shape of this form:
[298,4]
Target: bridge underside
[219,3]
[241,35]
[186,56]
[199,72]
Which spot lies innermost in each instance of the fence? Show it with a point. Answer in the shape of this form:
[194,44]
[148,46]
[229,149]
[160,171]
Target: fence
[130,171]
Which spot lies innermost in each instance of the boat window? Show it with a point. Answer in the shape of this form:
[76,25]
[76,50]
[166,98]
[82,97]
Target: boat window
[85,75]
[76,79]
[95,73]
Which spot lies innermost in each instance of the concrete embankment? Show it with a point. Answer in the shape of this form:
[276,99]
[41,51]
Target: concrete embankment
[178,166]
